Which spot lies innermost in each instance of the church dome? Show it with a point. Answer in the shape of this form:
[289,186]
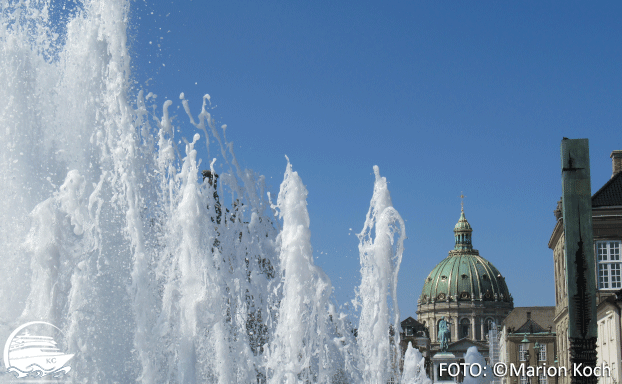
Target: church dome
[464,275]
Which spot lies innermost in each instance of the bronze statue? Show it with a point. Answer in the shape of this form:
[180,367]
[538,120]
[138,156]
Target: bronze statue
[443,334]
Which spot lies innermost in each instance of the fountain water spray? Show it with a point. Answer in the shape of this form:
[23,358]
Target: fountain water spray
[474,358]
[414,367]
[300,350]
[153,273]
[381,255]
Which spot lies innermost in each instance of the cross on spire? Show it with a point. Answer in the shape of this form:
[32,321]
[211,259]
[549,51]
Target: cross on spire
[462,202]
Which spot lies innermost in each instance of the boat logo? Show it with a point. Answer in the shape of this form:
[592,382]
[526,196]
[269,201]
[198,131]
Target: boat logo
[32,351]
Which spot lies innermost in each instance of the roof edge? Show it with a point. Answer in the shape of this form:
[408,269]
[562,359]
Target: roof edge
[609,182]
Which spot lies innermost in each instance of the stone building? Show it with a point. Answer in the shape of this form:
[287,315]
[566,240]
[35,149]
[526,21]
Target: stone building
[607,230]
[528,339]
[468,291]
[609,345]
[415,333]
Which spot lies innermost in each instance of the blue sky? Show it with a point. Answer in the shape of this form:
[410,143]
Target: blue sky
[445,97]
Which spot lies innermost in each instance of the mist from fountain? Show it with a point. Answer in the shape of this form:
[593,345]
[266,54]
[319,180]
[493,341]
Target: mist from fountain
[155,272]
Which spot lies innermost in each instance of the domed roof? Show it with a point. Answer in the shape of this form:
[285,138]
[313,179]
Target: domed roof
[464,274]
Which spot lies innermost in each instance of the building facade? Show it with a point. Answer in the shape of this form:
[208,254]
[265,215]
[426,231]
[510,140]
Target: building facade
[607,231]
[527,339]
[608,347]
[468,292]
[415,333]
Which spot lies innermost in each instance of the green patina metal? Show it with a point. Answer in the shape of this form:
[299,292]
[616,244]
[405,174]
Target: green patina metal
[579,242]
[464,275]
[443,334]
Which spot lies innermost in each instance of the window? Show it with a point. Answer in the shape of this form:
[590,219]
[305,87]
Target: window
[542,379]
[542,355]
[609,264]
[409,331]
[522,350]
[523,380]
[465,325]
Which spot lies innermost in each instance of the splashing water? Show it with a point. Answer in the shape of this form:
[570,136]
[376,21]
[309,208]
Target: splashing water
[381,255]
[299,349]
[414,367]
[473,358]
[110,233]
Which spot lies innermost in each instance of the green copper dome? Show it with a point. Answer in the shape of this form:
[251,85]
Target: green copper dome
[464,275]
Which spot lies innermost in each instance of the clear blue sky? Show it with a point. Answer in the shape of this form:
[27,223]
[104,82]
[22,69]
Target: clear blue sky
[443,96]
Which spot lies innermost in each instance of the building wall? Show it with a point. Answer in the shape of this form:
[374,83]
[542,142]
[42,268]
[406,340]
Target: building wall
[512,352]
[524,327]
[561,293]
[607,225]
[608,345]
[562,342]
[561,298]
[476,311]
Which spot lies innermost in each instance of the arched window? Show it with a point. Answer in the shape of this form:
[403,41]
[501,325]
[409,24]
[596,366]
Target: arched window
[465,326]
[488,325]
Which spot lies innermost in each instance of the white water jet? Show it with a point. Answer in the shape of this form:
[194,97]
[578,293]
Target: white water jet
[153,272]
[381,254]
[473,358]
[300,350]
[414,367]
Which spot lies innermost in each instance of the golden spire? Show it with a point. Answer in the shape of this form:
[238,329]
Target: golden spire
[462,202]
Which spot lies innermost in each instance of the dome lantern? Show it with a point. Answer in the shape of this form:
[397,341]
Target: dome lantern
[462,232]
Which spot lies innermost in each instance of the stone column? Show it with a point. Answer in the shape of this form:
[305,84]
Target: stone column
[473,327]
